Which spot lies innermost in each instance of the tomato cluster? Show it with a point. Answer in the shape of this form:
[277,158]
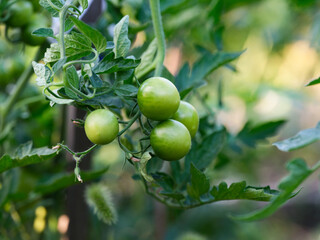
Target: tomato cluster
[22,15]
[159,100]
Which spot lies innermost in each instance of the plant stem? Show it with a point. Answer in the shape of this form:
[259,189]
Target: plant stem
[129,123]
[159,33]
[62,16]
[20,86]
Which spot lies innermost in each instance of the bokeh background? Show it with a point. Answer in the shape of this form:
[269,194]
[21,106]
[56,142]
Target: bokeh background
[281,40]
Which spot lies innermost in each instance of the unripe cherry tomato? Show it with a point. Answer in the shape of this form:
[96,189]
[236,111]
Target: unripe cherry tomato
[158,98]
[170,140]
[101,126]
[187,115]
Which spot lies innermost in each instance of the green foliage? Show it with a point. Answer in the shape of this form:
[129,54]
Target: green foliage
[25,155]
[299,171]
[94,35]
[250,135]
[187,79]
[120,38]
[302,139]
[313,82]
[99,198]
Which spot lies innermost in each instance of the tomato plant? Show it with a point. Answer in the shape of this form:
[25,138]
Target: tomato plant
[114,71]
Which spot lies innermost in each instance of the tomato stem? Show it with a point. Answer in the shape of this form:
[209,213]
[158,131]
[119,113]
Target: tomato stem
[159,33]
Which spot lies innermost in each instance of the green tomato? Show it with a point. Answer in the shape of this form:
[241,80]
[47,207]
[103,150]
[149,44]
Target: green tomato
[158,98]
[170,140]
[36,21]
[20,13]
[101,126]
[11,69]
[187,115]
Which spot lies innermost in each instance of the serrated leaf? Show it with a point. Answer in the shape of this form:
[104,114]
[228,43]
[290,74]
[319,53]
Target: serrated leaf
[45,4]
[42,72]
[94,35]
[110,65]
[84,4]
[77,46]
[120,39]
[126,90]
[313,82]
[99,198]
[251,135]
[187,80]
[299,171]
[25,155]
[302,139]
[199,183]
[240,190]
[147,56]
[52,54]
[43,32]
[64,180]
[202,153]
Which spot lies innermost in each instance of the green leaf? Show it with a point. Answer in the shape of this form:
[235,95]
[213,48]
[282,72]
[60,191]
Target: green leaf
[25,155]
[64,180]
[71,79]
[143,167]
[77,46]
[199,183]
[313,82]
[147,56]
[202,153]
[110,65]
[42,72]
[56,100]
[186,80]
[154,165]
[299,171]
[240,190]
[84,4]
[99,198]
[52,53]
[126,90]
[58,65]
[95,80]
[302,139]
[250,135]
[94,35]
[43,32]
[121,41]
[45,4]
[174,195]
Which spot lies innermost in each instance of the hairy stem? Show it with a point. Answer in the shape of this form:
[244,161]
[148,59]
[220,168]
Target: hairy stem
[159,33]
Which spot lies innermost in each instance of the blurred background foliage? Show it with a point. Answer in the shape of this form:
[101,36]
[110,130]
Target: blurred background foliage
[282,41]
